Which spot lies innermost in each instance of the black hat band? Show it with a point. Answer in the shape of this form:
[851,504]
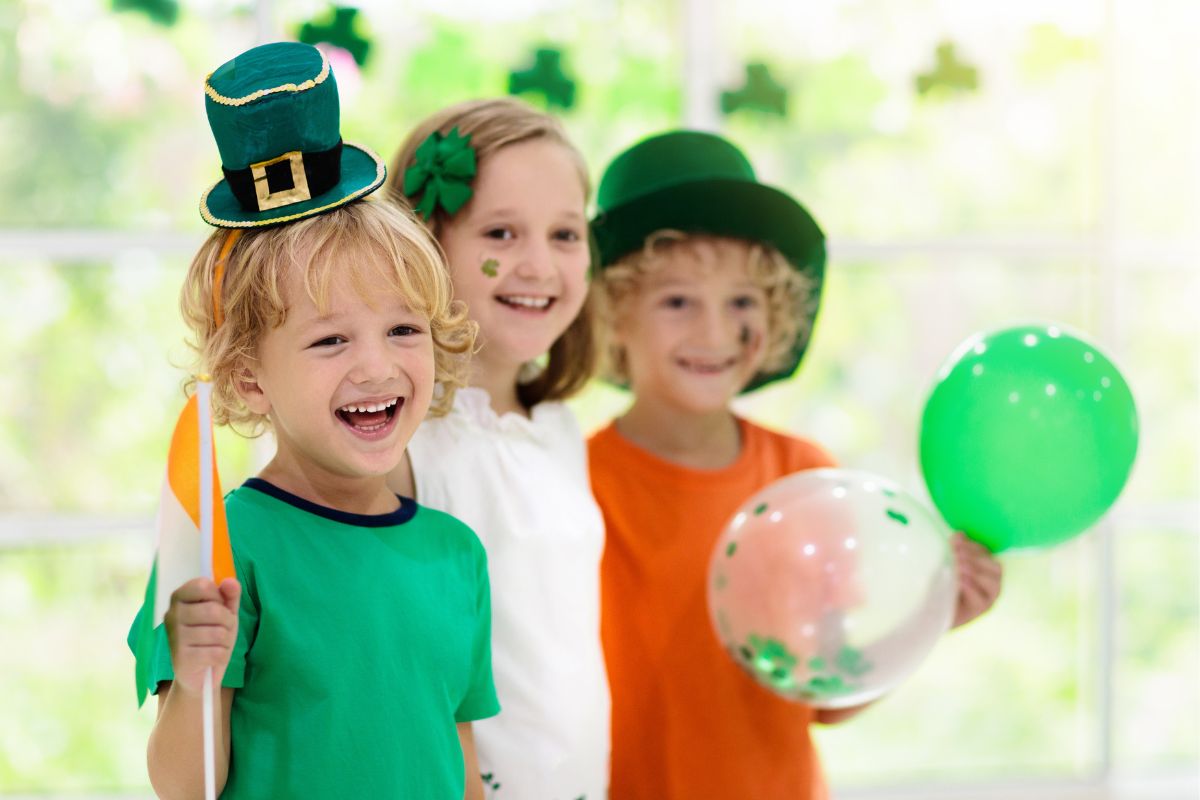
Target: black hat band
[290,178]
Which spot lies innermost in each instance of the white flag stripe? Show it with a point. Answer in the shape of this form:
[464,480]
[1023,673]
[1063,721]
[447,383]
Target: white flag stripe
[178,550]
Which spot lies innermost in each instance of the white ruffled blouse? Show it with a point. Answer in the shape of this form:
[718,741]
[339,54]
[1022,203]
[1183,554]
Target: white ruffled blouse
[522,485]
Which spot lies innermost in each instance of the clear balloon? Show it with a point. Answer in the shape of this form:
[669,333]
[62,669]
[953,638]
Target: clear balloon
[1027,437]
[831,586]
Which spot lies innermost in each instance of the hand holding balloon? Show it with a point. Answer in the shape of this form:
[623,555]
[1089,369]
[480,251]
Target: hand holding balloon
[979,579]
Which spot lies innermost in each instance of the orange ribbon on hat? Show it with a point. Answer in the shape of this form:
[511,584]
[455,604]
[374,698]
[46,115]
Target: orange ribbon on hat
[219,273]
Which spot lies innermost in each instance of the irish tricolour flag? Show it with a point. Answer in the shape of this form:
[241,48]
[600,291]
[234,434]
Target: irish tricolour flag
[193,540]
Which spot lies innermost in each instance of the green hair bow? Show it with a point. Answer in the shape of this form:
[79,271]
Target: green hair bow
[443,167]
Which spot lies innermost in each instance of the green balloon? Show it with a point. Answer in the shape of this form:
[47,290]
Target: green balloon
[1027,437]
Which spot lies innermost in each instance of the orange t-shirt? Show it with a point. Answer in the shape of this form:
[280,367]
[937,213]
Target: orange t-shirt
[687,722]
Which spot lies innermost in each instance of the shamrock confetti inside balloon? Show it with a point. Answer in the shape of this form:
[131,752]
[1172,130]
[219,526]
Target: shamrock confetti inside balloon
[831,586]
[1027,437]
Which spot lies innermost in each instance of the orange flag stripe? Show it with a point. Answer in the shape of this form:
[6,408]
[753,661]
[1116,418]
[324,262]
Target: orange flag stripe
[222,556]
[183,476]
[183,460]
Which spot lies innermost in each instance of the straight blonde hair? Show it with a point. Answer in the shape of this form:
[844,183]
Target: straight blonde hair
[494,124]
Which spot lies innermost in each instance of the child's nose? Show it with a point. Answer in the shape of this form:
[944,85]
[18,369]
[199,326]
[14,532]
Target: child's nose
[536,261]
[719,328]
[374,365]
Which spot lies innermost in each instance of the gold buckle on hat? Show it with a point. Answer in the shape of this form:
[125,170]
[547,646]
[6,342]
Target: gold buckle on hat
[285,197]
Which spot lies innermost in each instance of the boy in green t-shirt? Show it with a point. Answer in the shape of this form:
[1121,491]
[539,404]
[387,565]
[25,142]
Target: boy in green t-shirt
[353,649]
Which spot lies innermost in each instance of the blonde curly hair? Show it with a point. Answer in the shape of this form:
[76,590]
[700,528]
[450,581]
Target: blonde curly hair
[351,239]
[791,295]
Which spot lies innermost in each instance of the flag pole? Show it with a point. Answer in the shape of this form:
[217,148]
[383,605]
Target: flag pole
[210,766]
[207,469]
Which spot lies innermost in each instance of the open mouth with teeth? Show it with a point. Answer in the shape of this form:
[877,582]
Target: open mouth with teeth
[372,419]
[523,302]
[707,366]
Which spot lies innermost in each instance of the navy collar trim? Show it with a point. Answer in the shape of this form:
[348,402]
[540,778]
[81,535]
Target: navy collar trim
[406,511]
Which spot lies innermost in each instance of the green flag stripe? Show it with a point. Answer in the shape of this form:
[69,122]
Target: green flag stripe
[145,646]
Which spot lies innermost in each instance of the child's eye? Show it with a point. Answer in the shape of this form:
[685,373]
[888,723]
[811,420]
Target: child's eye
[568,235]
[404,330]
[503,234]
[329,341]
[674,301]
[745,301]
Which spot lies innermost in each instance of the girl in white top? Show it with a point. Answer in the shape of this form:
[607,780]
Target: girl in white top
[505,193]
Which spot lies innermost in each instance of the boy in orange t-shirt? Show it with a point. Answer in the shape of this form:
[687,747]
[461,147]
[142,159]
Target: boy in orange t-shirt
[708,287]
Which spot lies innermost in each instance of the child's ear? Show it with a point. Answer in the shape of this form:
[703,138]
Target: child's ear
[245,380]
[615,330]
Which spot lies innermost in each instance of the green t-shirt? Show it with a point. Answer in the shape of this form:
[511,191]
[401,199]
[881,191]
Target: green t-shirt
[362,640]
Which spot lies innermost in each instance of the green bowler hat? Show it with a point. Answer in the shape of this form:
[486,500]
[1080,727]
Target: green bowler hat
[275,115]
[698,182]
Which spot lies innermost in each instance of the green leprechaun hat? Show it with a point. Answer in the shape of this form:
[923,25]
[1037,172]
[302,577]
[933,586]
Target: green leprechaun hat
[274,113]
[698,182]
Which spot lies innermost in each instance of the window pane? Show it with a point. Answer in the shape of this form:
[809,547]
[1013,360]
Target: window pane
[876,158]
[1010,694]
[103,112]
[1158,647]
[69,719]
[1157,129]
[1158,356]
[624,59]
[86,414]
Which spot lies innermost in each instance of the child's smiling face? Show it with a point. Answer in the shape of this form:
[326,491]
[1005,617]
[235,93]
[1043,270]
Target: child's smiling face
[518,251]
[344,386]
[694,331]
